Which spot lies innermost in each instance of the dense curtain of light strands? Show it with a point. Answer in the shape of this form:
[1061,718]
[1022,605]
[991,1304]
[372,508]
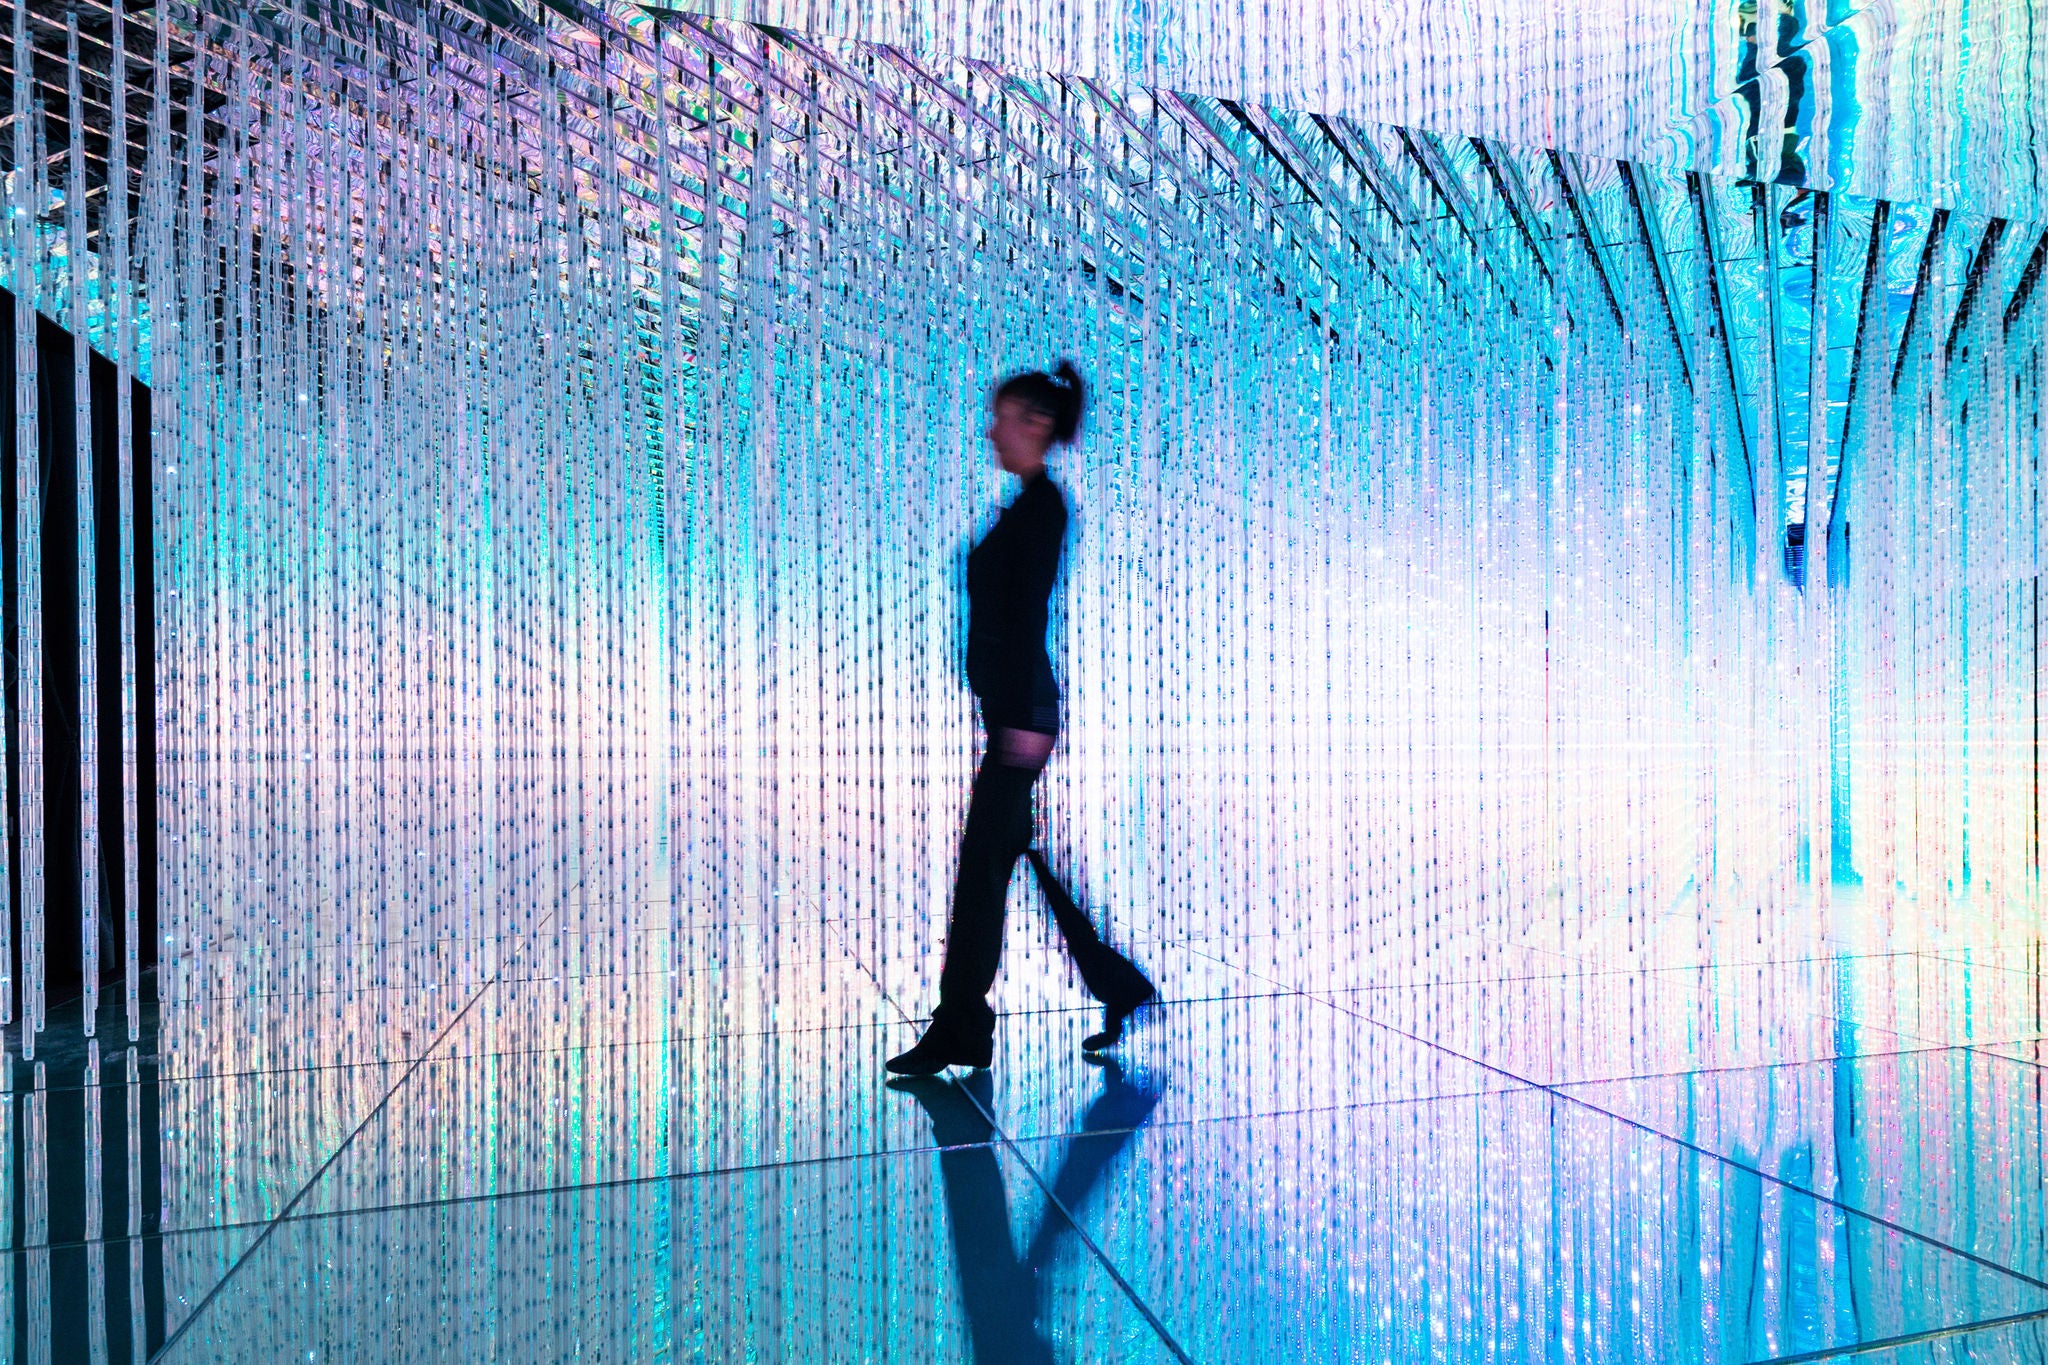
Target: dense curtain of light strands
[567,442]
[1923,103]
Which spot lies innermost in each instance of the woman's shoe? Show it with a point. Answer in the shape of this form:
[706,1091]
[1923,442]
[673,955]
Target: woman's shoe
[939,1049]
[1113,1017]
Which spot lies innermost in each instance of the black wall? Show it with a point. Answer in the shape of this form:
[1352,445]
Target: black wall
[56,426]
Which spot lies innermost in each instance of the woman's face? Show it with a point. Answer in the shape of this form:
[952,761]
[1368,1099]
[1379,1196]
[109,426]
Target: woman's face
[1020,435]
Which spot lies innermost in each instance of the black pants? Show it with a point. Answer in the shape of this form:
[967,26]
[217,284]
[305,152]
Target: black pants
[998,833]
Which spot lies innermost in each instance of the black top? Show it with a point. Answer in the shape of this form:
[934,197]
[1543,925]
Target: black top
[1009,582]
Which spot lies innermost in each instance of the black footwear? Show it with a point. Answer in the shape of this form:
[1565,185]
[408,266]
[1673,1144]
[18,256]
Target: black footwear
[1113,1017]
[938,1049]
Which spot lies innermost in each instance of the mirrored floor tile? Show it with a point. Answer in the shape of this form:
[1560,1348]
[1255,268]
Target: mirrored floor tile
[231,1036]
[1942,1000]
[1539,1029]
[923,1256]
[501,1123]
[2033,1051]
[1509,1226]
[156,1155]
[2017,1343]
[115,1299]
[1759,1013]
[1216,1059]
[1604,1024]
[695,998]
[1947,1143]
[2019,953]
[1321,961]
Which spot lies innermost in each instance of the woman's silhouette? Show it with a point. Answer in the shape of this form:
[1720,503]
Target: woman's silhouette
[1010,576]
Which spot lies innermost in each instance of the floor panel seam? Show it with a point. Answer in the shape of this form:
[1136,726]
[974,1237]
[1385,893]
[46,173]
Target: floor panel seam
[1004,1140]
[270,1227]
[1073,1221]
[1557,1093]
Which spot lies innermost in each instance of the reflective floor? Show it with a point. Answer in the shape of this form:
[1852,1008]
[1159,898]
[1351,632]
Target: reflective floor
[647,1136]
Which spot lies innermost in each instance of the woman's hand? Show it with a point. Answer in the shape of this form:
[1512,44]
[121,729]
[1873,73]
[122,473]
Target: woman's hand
[1021,748]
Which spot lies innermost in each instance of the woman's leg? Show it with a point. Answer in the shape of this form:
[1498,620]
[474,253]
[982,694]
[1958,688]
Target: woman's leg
[1109,976]
[998,831]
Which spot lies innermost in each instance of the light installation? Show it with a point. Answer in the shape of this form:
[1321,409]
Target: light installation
[1915,101]
[566,434]
[1450,552]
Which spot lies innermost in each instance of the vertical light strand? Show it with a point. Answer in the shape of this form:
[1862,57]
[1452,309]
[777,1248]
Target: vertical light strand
[138,1307]
[9,744]
[90,1096]
[118,288]
[26,273]
[35,1190]
[87,638]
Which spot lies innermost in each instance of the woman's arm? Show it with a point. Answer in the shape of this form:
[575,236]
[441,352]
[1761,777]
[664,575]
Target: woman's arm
[1032,532]
[1042,530]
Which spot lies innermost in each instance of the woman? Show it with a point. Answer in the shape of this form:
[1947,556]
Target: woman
[1009,581]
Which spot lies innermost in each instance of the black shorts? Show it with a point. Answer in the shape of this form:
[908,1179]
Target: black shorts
[1040,717]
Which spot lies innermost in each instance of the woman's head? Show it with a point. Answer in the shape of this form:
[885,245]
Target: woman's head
[1032,411]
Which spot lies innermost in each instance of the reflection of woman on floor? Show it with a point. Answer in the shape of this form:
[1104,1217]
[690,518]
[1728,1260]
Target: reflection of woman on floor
[1000,1288]
[1010,576]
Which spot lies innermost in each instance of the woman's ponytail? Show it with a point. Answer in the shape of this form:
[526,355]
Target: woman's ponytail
[1067,422]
